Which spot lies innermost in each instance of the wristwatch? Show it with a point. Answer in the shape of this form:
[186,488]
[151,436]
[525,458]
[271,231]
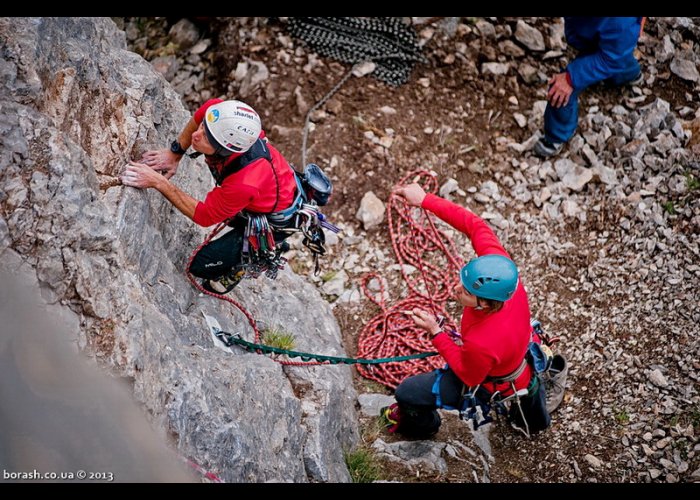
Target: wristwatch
[176,148]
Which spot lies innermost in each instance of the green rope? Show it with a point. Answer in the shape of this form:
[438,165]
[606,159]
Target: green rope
[230,339]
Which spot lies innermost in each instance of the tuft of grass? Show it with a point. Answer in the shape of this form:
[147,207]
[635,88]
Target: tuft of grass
[622,417]
[363,466]
[695,416]
[692,182]
[328,276]
[669,207]
[276,337]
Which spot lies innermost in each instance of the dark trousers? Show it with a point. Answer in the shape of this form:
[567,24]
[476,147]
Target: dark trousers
[221,255]
[418,404]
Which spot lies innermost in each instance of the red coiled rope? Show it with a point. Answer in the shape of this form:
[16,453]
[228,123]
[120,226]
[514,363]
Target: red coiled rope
[416,242]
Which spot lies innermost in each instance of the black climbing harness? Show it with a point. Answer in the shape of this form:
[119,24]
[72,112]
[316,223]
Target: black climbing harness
[261,253]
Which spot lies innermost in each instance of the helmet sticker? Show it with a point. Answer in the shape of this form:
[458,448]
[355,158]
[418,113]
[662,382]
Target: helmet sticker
[213,116]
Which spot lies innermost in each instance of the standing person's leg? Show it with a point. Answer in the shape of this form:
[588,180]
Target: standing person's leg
[560,123]
[631,72]
[417,414]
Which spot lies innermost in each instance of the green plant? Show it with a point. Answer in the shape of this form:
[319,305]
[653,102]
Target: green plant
[622,417]
[695,416]
[276,337]
[363,466]
[328,276]
[692,182]
[669,207]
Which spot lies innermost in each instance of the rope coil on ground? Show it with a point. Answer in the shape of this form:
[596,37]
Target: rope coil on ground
[387,41]
[418,243]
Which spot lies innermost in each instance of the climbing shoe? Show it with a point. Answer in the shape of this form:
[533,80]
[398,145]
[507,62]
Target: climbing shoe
[226,283]
[390,417]
[544,148]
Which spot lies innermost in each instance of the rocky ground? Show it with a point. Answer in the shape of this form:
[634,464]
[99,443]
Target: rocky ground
[606,235]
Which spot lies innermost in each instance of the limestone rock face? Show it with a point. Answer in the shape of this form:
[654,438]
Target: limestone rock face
[75,106]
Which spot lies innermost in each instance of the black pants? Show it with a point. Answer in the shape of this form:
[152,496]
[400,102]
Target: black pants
[221,255]
[418,405]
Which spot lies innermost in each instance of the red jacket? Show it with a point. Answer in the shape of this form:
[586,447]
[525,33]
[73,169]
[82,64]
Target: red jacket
[493,344]
[253,187]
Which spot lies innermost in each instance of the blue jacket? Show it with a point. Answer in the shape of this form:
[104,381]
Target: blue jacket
[606,43]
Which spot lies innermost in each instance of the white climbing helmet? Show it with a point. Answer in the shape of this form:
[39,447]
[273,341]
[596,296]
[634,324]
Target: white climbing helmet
[232,127]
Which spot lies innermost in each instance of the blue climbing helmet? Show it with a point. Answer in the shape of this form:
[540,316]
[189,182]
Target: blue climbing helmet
[492,277]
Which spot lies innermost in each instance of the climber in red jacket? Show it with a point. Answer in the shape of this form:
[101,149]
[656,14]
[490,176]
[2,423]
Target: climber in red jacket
[250,175]
[495,334]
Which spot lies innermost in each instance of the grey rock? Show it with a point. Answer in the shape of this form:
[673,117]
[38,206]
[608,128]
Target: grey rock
[556,35]
[184,33]
[486,29]
[529,36]
[336,284]
[520,119]
[686,69]
[256,73]
[657,378]
[371,211]
[371,403]
[665,49]
[492,68]
[116,256]
[166,66]
[528,73]
[449,187]
[411,454]
[510,49]
[573,176]
[200,47]
[593,461]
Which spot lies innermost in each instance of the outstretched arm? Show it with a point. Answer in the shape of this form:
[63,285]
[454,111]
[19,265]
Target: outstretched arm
[141,176]
[483,238]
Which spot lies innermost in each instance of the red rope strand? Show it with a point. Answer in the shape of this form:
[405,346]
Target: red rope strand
[235,303]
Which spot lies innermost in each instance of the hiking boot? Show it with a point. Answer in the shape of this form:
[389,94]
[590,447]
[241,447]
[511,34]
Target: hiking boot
[555,382]
[390,417]
[638,80]
[224,284]
[544,148]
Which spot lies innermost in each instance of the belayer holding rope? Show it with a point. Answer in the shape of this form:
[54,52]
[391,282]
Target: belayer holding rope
[486,360]
[257,193]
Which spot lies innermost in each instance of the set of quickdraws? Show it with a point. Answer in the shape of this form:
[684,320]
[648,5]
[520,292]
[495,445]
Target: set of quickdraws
[470,402]
[310,222]
[260,254]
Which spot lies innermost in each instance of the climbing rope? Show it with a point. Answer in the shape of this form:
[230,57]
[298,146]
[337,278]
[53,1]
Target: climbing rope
[417,243]
[203,472]
[231,301]
[387,41]
[229,339]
